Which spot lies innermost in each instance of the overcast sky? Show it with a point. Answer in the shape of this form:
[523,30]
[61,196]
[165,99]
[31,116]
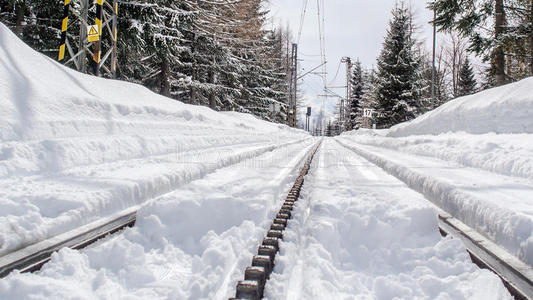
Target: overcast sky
[354,28]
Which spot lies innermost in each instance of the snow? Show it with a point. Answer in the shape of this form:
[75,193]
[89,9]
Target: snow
[192,243]
[363,234]
[74,147]
[505,109]
[347,241]
[472,157]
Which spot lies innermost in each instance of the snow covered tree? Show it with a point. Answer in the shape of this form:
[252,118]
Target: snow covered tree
[398,73]
[254,49]
[467,82]
[151,36]
[505,43]
[356,98]
[207,52]
[36,22]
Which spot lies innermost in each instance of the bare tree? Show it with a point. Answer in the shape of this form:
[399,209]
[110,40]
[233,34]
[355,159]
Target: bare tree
[455,52]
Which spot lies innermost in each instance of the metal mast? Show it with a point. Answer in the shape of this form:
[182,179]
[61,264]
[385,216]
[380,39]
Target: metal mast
[293,86]
[346,101]
[106,20]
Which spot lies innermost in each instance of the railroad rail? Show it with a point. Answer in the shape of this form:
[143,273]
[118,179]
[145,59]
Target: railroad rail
[515,274]
[33,257]
[255,276]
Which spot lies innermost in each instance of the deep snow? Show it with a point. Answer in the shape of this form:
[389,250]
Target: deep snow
[505,109]
[192,243]
[74,147]
[376,239]
[473,157]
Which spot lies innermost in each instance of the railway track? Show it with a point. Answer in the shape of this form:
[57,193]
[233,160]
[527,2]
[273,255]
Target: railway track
[516,275]
[256,275]
[33,257]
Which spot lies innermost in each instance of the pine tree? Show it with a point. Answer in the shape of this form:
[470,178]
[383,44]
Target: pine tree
[207,52]
[37,23]
[356,97]
[398,74]
[153,28]
[467,82]
[469,19]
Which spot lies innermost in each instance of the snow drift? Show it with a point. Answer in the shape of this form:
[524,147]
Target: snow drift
[505,109]
[75,147]
[472,157]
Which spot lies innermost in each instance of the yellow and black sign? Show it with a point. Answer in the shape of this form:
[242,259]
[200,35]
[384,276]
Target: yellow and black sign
[92,33]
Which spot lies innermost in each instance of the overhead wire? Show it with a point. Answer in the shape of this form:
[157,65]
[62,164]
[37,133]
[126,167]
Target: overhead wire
[336,74]
[302,19]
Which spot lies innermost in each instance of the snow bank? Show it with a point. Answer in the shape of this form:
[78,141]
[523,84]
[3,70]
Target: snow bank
[496,206]
[192,243]
[505,109]
[506,154]
[74,147]
[362,234]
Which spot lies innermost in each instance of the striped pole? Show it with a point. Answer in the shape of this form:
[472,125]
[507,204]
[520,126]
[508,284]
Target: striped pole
[115,21]
[97,51]
[64,26]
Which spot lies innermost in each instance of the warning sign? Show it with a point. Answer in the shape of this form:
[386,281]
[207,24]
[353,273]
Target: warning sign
[92,33]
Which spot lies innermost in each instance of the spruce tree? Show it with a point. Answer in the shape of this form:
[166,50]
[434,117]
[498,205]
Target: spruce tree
[397,76]
[470,17]
[467,82]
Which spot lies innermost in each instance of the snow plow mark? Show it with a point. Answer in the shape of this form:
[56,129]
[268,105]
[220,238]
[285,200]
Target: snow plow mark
[255,276]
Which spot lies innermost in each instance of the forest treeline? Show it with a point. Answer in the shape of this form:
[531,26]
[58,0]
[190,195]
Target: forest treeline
[217,53]
[496,34]
[225,54]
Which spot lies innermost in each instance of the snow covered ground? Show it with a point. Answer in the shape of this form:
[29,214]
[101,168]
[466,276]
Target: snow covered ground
[371,240]
[74,147]
[473,157]
[192,243]
[363,234]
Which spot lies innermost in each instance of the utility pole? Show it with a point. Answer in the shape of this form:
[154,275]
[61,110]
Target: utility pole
[307,117]
[293,86]
[106,19]
[433,61]
[342,112]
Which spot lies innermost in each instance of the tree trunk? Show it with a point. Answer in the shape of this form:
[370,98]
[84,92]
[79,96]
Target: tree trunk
[499,55]
[531,38]
[20,9]
[193,89]
[165,75]
[212,99]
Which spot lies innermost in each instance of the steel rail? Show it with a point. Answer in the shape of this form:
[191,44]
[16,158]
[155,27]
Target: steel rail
[33,257]
[516,275]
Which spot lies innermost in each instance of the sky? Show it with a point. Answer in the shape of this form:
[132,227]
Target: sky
[353,28]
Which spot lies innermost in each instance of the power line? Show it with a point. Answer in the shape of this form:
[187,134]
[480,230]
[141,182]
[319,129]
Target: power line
[302,18]
[336,74]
